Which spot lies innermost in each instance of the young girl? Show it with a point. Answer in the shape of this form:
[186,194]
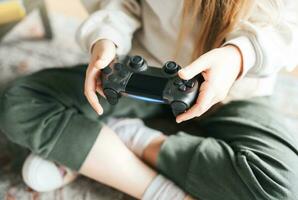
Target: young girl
[238,46]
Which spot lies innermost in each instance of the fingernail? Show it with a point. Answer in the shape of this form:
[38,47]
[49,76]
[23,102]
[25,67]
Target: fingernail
[181,72]
[178,121]
[99,112]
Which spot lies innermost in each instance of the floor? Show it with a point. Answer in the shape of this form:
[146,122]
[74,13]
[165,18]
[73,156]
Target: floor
[24,51]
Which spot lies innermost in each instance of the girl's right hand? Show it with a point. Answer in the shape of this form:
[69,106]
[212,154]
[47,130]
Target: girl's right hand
[103,53]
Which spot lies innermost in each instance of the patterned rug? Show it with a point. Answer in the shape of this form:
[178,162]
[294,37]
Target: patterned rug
[24,51]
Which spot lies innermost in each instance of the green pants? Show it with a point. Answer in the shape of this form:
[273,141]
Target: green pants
[246,151]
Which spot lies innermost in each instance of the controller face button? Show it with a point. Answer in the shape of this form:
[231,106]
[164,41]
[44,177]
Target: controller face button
[178,82]
[190,83]
[112,96]
[182,88]
[107,70]
[171,67]
[136,62]
[178,107]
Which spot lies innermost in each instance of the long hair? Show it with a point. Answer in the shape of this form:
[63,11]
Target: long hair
[217,19]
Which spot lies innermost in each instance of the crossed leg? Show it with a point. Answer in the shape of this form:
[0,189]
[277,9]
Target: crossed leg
[56,122]
[112,163]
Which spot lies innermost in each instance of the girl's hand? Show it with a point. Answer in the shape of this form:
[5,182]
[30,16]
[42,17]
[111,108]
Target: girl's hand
[220,68]
[103,53]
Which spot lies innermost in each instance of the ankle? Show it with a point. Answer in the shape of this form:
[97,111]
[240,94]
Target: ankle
[151,152]
[163,189]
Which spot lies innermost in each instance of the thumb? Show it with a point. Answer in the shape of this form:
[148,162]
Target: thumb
[104,58]
[196,67]
[103,54]
[102,63]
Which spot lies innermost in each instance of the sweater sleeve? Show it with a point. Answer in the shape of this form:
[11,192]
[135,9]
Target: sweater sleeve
[268,47]
[116,20]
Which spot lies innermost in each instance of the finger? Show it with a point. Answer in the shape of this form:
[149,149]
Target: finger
[100,90]
[101,63]
[195,111]
[98,87]
[196,67]
[90,89]
[204,102]
[103,58]
[102,55]
[93,100]
[208,96]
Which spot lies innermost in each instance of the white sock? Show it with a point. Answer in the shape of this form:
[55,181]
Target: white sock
[133,133]
[163,189]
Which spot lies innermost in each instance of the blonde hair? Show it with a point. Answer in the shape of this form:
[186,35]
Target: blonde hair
[218,18]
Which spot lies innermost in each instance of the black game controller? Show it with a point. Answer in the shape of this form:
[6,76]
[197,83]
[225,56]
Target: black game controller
[131,76]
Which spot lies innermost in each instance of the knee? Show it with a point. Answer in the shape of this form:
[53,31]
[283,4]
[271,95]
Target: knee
[270,175]
[16,109]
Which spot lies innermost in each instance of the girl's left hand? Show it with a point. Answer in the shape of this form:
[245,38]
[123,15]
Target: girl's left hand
[220,68]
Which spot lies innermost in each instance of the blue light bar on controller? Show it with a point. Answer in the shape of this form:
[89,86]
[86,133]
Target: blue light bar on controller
[145,98]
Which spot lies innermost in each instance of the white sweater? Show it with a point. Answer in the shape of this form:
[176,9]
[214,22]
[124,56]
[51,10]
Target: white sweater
[150,28]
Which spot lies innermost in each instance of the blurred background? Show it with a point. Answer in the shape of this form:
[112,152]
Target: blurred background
[41,34]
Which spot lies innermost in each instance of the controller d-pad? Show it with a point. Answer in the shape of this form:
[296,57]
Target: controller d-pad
[111,95]
[123,73]
[118,66]
[114,78]
[107,70]
[190,83]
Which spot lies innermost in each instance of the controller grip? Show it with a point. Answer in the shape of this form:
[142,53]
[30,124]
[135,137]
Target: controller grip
[178,107]
[112,96]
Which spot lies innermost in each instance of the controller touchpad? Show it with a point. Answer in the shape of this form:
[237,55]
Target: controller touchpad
[146,86]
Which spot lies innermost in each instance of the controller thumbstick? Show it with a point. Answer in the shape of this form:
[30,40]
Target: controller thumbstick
[171,67]
[136,62]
